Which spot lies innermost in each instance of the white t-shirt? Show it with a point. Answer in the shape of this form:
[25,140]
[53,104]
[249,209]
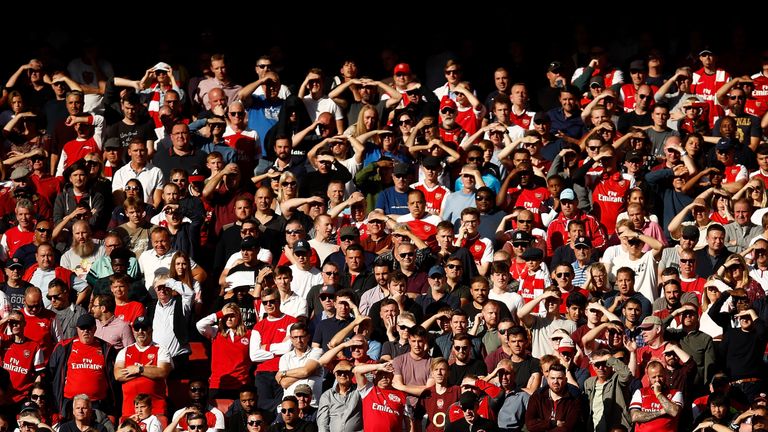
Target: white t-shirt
[291,360]
[303,280]
[512,300]
[645,273]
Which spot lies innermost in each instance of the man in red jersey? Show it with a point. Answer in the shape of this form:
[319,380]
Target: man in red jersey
[384,408]
[436,400]
[557,232]
[656,407]
[271,339]
[42,326]
[708,79]
[434,192]
[143,367]
[83,365]
[22,357]
[22,233]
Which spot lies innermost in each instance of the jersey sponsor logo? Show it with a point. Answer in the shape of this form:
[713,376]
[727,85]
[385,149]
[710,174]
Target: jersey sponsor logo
[384,408]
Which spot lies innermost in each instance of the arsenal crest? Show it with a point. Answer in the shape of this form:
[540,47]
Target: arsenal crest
[27,354]
[244,341]
[394,398]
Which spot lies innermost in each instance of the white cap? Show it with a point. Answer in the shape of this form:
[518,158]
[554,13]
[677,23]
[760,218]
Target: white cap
[162,66]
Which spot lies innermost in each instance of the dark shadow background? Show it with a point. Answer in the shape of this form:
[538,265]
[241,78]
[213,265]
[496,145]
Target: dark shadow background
[523,45]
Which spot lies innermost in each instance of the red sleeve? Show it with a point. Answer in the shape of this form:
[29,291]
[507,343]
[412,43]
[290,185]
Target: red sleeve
[489,389]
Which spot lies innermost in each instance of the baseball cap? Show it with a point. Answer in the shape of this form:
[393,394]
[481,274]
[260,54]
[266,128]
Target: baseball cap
[29,406]
[249,243]
[402,68]
[634,155]
[596,81]
[112,142]
[436,269]
[566,344]
[554,67]
[327,289]
[401,169]
[302,389]
[431,162]
[533,254]
[14,263]
[583,241]
[637,65]
[20,172]
[690,232]
[521,237]
[142,323]
[541,117]
[705,50]
[724,144]
[761,397]
[468,400]
[650,321]
[86,321]
[349,231]
[567,194]
[162,66]
[301,246]
[447,102]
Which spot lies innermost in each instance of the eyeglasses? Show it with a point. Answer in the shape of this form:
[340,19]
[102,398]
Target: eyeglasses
[54,297]
[270,302]
[642,95]
[759,251]
[405,122]
[483,198]
[255,422]
[563,275]
[237,113]
[195,427]
[44,230]
[600,365]
[326,297]
[343,373]
[287,410]
[348,238]
[29,425]
[740,299]
[687,260]
[407,255]
[520,245]
[737,97]
[403,327]
[131,188]
[264,66]
[461,348]
[453,267]
[504,331]
[331,273]
[36,396]
[302,395]
[288,184]
[294,232]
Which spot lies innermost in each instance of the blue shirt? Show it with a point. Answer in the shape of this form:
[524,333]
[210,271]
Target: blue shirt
[572,126]
[490,180]
[392,201]
[373,153]
[227,152]
[262,115]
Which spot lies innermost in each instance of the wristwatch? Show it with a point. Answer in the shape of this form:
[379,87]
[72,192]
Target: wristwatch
[283,373]
[141,369]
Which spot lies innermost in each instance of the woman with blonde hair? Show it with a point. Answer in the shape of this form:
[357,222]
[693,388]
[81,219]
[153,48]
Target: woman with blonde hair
[713,289]
[181,270]
[288,189]
[754,190]
[735,273]
[230,351]
[597,281]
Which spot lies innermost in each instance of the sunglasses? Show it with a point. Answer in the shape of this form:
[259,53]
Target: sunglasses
[556,339]
[740,299]
[44,230]
[452,72]
[195,427]
[13,323]
[504,331]
[293,232]
[36,397]
[525,221]
[287,410]
[461,348]
[642,96]
[326,297]
[331,273]
[687,260]
[407,255]
[759,251]
[302,395]
[737,97]
[197,389]
[288,183]
[403,327]
[447,110]
[270,302]
[131,188]
[343,373]
[600,365]
[255,422]
[264,66]
[53,296]
[237,113]
[453,267]
[563,275]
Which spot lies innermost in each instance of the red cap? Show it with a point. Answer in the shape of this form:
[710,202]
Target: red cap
[402,68]
[447,102]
